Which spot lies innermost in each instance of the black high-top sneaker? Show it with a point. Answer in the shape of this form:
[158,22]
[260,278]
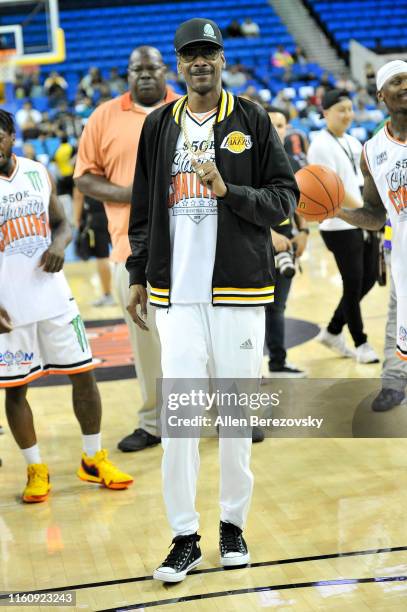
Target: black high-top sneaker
[233,548]
[184,556]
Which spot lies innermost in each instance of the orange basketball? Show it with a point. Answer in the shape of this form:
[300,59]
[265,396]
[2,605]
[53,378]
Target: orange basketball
[322,192]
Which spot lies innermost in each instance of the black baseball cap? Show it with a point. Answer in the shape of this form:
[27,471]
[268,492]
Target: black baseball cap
[333,97]
[197,30]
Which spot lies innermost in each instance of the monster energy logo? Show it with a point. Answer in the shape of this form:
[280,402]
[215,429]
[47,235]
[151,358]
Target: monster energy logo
[35,179]
[79,328]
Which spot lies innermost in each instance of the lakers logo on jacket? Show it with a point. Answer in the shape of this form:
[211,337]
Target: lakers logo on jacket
[237,142]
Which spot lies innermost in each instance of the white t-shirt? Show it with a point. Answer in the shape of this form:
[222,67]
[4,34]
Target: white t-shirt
[27,292]
[329,151]
[193,218]
[23,115]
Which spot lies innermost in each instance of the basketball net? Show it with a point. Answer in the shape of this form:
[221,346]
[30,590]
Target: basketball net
[7,70]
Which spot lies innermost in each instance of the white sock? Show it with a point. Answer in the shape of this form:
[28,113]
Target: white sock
[32,454]
[92,444]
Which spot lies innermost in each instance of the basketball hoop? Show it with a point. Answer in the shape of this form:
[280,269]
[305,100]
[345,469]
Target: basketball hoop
[7,72]
[7,65]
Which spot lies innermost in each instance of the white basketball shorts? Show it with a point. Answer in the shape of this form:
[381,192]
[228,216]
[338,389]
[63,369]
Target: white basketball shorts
[54,346]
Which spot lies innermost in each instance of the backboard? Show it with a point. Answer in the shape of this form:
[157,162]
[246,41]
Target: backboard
[31,29]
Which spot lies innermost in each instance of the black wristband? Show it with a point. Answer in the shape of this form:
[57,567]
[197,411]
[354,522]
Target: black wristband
[305,230]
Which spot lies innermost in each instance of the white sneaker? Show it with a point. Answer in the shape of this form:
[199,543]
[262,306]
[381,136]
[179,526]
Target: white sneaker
[105,300]
[336,342]
[366,354]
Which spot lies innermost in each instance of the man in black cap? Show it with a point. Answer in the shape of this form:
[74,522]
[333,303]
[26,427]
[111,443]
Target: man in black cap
[355,252]
[211,178]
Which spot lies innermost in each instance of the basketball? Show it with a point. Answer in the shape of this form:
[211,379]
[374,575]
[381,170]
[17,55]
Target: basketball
[322,192]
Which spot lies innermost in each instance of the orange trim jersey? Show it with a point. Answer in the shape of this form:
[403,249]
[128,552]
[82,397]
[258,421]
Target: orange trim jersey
[27,292]
[386,159]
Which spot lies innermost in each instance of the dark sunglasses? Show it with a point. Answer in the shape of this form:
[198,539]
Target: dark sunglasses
[208,52]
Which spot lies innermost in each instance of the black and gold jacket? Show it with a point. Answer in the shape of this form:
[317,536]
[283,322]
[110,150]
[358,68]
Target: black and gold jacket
[262,192]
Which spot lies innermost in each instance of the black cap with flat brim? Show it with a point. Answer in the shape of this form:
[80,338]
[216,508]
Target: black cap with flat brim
[197,30]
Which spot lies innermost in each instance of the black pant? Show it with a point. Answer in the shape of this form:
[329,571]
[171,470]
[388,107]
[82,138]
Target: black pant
[357,261]
[275,323]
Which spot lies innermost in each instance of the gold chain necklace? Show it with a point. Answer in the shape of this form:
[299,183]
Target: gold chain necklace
[195,155]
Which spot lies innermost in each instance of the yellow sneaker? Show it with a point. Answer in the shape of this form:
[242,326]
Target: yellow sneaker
[38,486]
[102,471]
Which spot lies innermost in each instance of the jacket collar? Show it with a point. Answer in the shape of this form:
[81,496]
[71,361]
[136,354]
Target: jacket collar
[225,107]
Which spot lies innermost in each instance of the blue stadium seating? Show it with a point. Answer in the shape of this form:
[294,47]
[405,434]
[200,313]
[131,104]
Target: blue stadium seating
[367,21]
[104,36]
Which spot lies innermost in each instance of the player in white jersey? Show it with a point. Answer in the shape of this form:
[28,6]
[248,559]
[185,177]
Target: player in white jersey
[41,331]
[384,165]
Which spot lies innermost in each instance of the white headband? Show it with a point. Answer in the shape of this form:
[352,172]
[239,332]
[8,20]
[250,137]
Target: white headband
[388,71]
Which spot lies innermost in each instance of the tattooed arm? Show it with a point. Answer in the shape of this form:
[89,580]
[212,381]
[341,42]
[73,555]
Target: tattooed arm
[372,216]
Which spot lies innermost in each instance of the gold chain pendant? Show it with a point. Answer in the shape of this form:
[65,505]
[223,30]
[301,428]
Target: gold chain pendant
[195,155]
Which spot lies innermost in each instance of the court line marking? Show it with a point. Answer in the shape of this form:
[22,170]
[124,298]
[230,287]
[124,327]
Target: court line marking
[211,570]
[277,587]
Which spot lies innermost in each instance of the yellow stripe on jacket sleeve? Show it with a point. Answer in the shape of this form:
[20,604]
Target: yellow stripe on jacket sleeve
[231,103]
[177,108]
[164,292]
[222,106]
[238,290]
[160,300]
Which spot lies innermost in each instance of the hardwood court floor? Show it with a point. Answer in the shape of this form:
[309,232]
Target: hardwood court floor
[327,525]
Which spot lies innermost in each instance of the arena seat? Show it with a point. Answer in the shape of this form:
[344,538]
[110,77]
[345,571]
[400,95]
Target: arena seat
[373,23]
[104,36]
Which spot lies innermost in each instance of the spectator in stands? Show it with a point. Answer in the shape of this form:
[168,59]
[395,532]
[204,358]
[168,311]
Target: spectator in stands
[234,30]
[299,56]
[116,83]
[20,87]
[345,83]
[296,145]
[64,159]
[283,101]
[90,84]
[84,107]
[28,120]
[290,235]
[90,220]
[29,151]
[105,171]
[362,114]
[326,81]
[355,251]
[281,58]
[55,88]
[252,94]
[309,108]
[289,76]
[370,78]
[234,77]
[103,94]
[249,28]
[36,89]
[363,96]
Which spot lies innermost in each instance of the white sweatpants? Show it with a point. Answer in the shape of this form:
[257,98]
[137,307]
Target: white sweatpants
[198,341]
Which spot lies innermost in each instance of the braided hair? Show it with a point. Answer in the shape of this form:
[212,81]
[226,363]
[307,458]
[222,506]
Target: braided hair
[7,122]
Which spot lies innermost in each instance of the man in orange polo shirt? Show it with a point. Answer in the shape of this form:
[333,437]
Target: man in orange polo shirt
[105,170]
